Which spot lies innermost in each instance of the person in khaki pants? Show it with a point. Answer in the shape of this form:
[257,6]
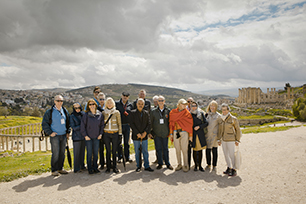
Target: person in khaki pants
[180,125]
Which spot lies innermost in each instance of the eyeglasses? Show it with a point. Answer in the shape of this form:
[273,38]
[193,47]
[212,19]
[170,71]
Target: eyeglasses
[97,92]
[194,106]
[101,99]
[60,101]
[189,101]
[161,100]
[92,104]
[125,95]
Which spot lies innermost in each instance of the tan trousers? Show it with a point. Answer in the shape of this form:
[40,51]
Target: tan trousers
[181,145]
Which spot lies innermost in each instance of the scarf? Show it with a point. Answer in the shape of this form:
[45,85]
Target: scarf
[224,116]
[182,118]
[198,112]
[110,111]
[77,113]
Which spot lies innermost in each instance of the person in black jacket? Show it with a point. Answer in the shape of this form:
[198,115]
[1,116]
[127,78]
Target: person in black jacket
[101,106]
[160,131]
[147,104]
[78,139]
[140,124]
[198,140]
[124,107]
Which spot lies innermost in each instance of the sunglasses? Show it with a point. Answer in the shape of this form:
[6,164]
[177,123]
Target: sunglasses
[92,104]
[189,101]
[101,99]
[60,101]
[125,95]
[160,100]
[97,92]
[194,106]
[77,108]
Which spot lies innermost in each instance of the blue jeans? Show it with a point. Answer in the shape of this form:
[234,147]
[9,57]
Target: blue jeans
[161,146]
[144,152]
[58,144]
[92,147]
[78,154]
[126,138]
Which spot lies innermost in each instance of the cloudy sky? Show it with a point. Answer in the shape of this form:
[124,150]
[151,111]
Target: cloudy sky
[193,45]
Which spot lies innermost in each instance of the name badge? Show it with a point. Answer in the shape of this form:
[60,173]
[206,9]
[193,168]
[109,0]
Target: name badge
[62,121]
[161,121]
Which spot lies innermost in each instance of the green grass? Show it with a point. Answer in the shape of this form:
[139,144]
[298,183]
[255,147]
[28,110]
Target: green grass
[12,121]
[256,117]
[266,129]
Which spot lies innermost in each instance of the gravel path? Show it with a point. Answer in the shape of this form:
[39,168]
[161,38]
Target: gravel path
[273,171]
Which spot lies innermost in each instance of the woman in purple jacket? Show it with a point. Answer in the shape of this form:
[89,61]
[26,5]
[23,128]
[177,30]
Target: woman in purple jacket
[92,126]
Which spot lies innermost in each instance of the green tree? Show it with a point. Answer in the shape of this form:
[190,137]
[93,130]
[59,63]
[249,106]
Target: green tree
[4,111]
[36,112]
[299,109]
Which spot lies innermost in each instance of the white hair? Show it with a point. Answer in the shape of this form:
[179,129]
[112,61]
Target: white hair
[160,96]
[140,99]
[155,97]
[101,94]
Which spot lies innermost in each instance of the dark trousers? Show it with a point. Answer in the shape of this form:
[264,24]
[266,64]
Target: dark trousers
[58,144]
[101,153]
[92,147]
[197,158]
[215,156]
[78,154]
[111,145]
[126,138]
[161,147]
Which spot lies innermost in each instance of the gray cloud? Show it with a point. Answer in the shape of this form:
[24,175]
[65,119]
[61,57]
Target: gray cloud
[65,43]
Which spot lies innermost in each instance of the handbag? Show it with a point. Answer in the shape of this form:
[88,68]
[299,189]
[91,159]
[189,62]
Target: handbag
[238,159]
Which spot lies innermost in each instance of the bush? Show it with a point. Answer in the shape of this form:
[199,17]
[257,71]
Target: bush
[299,109]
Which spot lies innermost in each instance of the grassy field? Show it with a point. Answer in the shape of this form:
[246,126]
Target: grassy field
[256,117]
[12,121]
[265,129]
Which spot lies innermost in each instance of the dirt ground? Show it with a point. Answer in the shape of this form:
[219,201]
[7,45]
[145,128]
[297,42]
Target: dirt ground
[273,171]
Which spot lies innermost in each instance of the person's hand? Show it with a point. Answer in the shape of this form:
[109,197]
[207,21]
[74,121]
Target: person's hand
[67,135]
[219,143]
[139,136]
[53,134]
[196,128]
[150,136]
[99,137]
[171,138]
[190,139]
[87,138]
[236,143]
[144,134]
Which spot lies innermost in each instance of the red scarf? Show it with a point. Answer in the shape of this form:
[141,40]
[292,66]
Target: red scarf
[182,118]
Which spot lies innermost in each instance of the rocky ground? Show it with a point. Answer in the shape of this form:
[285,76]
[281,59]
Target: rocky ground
[273,171]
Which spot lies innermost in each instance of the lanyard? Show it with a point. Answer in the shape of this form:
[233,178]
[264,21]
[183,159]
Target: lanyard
[161,113]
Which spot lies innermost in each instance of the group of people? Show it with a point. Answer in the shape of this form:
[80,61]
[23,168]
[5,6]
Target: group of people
[105,123]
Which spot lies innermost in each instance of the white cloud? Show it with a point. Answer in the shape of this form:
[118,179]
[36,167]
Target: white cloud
[187,44]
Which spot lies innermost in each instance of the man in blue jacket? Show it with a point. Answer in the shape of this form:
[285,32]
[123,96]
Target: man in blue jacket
[56,124]
[124,107]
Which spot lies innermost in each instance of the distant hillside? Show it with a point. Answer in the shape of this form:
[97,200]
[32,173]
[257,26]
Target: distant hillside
[115,91]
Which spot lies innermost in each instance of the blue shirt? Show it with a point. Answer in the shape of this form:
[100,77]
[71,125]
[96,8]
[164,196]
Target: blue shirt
[56,125]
